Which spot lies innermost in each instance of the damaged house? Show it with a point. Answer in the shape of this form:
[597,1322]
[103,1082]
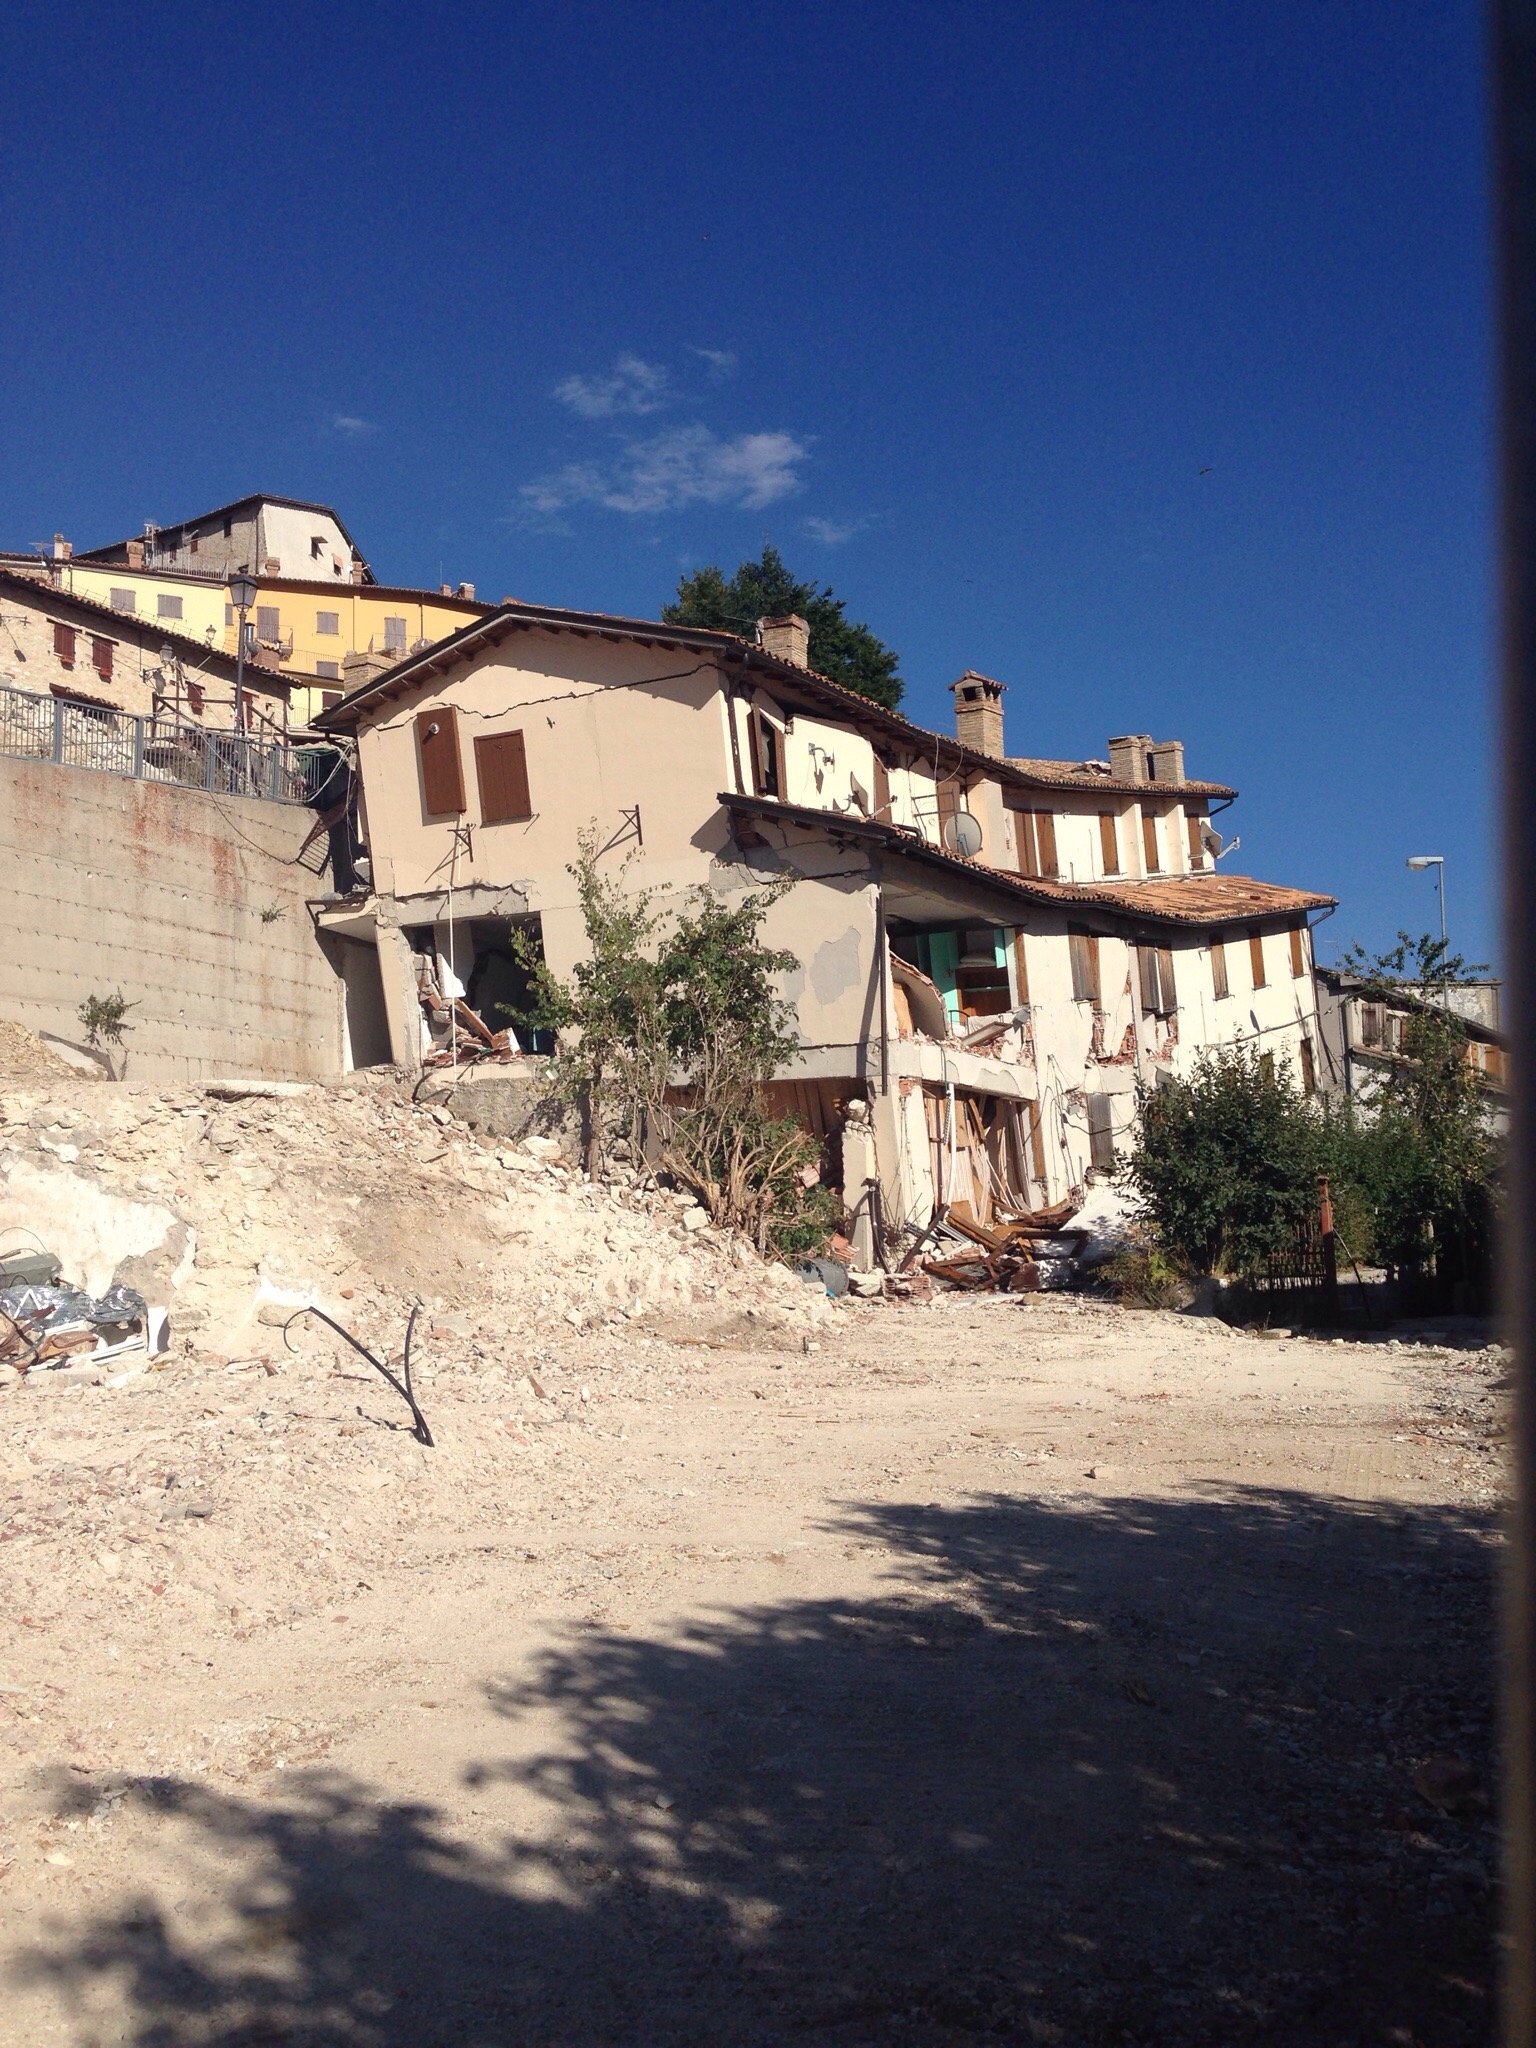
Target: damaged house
[994,951]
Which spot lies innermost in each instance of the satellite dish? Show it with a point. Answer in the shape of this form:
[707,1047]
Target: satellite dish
[1210,839]
[961,834]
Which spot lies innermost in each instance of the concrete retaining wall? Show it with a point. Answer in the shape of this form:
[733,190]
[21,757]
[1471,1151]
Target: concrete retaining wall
[188,903]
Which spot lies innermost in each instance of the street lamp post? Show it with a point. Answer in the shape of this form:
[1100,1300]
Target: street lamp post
[1437,862]
[242,595]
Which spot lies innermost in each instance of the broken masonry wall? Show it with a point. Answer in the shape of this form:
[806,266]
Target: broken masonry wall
[189,904]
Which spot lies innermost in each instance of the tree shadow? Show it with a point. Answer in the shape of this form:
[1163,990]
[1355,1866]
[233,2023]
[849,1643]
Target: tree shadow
[1131,1771]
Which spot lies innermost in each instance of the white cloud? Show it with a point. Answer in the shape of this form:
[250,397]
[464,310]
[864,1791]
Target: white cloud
[349,424]
[720,362]
[633,386]
[833,532]
[684,466]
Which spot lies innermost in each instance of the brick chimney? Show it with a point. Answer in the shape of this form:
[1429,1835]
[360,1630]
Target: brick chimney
[358,669]
[1165,761]
[1128,757]
[467,590]
[62,550]
[445,590]
[787,639]
[135,554]
[979,713]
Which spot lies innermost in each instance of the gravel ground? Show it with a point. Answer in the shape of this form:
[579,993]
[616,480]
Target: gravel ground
[1020,1670]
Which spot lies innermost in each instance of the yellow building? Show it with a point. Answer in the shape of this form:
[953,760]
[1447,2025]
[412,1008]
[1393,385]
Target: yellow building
[305,628]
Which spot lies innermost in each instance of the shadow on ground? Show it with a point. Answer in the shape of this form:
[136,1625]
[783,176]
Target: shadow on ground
[1085,1772]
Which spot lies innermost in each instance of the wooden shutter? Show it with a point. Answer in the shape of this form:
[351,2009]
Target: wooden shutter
[64,645]
[1219,968]
[1170,1000]
[501,771]
[1024,840]
[1020,970]
[1083,948]
[1256,957]
[1194,824]
[1101,1133]
[767,757]
[1036,1140]
[101,657]
[1045,835]
[1149,842]
[1370,1023]
[882,789]
[442,773]
[1308,1067]
[1298,955]
[1146,966]
[1109,842]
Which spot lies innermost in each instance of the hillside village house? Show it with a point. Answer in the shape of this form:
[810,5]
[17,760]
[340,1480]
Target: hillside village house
[321,620]
[993,951]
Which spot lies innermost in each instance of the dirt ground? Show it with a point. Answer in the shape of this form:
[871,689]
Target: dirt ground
[1021,1670]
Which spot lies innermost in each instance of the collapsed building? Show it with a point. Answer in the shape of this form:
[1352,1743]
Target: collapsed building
[995,952]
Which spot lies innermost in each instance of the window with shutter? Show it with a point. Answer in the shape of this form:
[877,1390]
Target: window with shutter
[1195,824]
[1149,847]
[328,623]
[501,770]
[1036,1140]
[1298,952]
[330,670]
[1165,981]
[1370,1023]
[1045,835]
[124,600]
[767,757]
[64,645]
[1219,968]
[1308,1067]
[1266,1066]
[268,624]
[1155,965]
[167,607]
[1101,1133]
[1109,842]
[1256,958]
[1035,838]
[101,658]
[882,789]
[442,774]
[1020,969]
[1083,951]
[394,636]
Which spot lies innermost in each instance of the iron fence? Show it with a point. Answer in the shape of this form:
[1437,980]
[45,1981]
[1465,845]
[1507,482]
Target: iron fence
[157,748]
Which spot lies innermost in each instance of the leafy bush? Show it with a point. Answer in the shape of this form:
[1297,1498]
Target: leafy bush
[1144,1277]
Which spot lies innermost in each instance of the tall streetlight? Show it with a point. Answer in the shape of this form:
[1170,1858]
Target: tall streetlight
[242,595]
[1437,862]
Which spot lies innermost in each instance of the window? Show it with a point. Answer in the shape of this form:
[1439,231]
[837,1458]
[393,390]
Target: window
[1158,998]
[1035,836]
[331,670]
[268,624]
[229,527]
[1298,952]
[167,607]
[316,546]
[328,698]
[981,973]
[882,789]
[1109,842]
[501,770]
[442,775]
[1308,1067]
[124,601]
[192,545]
[767,744]
[1101,1133]
[1036,1140]
[394,636]
[1149,845]
[1256,958]
[1266,1066]
[1020,969]
[328,623]
[1370,1024]
[1194,824]
[101,657]
[64,646]
[1083,948]
[229,615]
[1219,968]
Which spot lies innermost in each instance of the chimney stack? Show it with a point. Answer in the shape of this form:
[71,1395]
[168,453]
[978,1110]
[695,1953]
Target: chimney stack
[979,714]
[358,669]
[445,590]
[1128,757]
[62,550]
[1165,761]
[787,639]
[467,590]
[135,554]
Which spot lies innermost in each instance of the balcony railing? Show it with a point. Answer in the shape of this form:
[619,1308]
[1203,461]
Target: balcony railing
[156,749]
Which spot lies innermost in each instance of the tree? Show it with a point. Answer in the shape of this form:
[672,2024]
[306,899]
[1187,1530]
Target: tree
[1227,1163]
[850,654]
[670,1030]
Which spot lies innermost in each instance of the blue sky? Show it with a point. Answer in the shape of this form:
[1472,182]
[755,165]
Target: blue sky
[1136,355]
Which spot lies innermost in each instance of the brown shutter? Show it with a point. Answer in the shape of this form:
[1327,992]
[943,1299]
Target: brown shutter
[64,645]
[1036,1140]
[1101,1133]
[1308,1068]
[1219,968]
[1165,979]
[1146,967]
[442,773]
[1149,842]
[1045,831]
[1298,957]
[1193,823]
[101,657]
[501,770]
[1109,842]
[1021,971]
[882,789]
[1256,957]
[1024,841]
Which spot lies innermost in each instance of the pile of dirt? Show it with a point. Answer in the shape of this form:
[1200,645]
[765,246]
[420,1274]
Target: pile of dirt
[24,1057]
[240,1203]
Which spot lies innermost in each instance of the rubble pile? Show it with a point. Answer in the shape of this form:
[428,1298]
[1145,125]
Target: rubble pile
[234,1205]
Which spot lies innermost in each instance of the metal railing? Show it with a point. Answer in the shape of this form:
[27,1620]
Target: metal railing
[157,749]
